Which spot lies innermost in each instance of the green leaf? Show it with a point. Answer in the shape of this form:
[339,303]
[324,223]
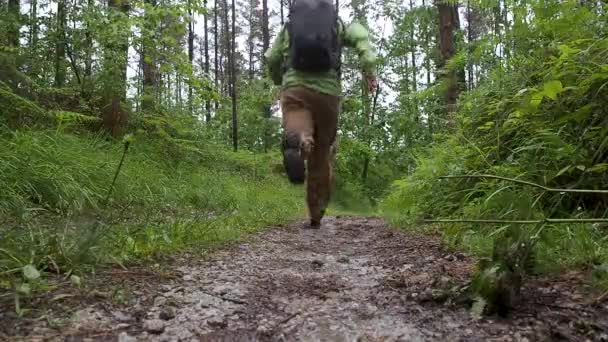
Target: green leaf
[552,88]
[566,50]
[30,272]
[128,138]
[24,289]
[562,171]
[536,99]
[522,91]
[76,281]
[599,168]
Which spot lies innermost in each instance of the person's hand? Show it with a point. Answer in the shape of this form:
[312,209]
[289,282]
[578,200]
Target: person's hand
[372,83]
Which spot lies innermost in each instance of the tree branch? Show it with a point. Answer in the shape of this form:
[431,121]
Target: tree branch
[589,220]
[73,63]
[528,183]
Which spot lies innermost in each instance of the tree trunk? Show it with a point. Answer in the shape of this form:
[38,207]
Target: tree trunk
[226,85]
[33,40]
[360,16]
[265,46]
[207,102]
[470,83]
[427,59]
[448,24]
[282,14]
[88,62]
[265,27]
[506,29]
[413,52]
[497,32]
[114,115]
[190,55]
[251,42]
[427,64]
[14,10]
[235,137]
[414,73]
[149,65]
[216,48]
[178,90]
[60,66]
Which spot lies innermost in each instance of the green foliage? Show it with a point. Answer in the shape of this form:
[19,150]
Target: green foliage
[258,130]
[17,111]
[54,185]
[535,74]
[540,118]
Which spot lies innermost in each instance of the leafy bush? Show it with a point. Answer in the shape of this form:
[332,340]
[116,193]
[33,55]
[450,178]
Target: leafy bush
[541,119]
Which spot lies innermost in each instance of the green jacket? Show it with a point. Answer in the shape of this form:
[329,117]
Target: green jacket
[353,36]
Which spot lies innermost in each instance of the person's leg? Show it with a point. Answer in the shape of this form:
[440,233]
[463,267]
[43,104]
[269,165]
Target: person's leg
[320,174]
[317,180]
[333,150]
[298,134]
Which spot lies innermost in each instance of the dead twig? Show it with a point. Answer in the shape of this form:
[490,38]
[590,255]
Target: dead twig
[528,183]
[288,318]
[600,298]
[274,329]
[122,159]
[590,220]
[235,301]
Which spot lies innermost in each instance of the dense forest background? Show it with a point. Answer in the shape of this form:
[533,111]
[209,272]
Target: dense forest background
[130,129]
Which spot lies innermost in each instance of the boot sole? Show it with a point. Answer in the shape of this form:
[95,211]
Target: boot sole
[293,161]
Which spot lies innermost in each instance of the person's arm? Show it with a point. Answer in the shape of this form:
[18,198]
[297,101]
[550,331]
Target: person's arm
[357,37]
[274,58]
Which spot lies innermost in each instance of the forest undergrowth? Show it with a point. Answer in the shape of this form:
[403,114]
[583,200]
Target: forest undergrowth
[58,215]
[530,143]
[491,130]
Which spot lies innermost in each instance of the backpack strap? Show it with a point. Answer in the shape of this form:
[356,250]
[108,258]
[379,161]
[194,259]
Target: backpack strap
[340,28]
[285,63]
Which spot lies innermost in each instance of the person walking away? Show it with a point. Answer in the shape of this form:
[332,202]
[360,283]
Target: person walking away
[305,59]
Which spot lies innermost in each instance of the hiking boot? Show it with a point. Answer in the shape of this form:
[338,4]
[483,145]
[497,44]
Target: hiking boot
[315,224]
[293,161]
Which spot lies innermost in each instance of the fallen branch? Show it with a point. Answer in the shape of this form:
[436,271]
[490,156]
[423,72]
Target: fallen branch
[235,301]
[590,220]
[600,298]
[528,183]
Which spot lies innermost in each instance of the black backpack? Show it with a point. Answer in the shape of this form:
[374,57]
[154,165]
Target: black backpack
[313,36]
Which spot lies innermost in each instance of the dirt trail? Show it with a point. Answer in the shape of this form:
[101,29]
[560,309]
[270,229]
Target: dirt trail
[353,280]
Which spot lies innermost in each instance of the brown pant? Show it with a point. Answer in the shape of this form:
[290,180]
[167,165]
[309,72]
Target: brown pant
[314,117]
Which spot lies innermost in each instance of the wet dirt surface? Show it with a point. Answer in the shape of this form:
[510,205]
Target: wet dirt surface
[354,279]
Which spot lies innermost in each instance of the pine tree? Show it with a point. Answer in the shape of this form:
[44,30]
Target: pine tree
[148,59]
[208,102]
[115,64]
[235,132]
[190,53]
[448,24]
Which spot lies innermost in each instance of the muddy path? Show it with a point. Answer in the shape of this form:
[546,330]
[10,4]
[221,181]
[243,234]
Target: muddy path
[353,280]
